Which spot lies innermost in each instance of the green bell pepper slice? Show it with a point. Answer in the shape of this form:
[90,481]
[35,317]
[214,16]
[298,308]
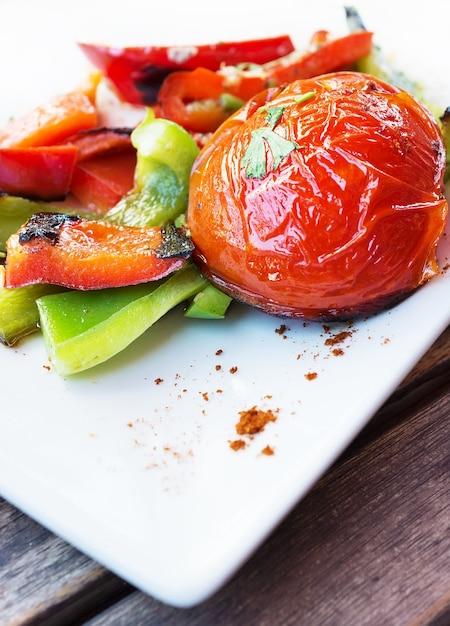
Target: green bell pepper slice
[165,155]
[209,303]
[19,313]
[82,329]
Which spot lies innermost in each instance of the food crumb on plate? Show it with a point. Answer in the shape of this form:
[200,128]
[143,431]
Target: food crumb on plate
[254,421]
[237,444]
[281,330]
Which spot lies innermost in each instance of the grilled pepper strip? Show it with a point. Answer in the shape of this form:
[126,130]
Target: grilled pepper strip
[83,329]
[165,155]
[137,72]
[192,98]
[50,123]
[43,173]
[86,254]
[15,211]
[101,181]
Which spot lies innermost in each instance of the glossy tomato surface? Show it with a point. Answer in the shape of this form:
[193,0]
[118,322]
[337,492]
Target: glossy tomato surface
[321,200]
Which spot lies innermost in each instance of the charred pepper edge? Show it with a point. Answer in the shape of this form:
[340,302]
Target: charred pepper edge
[175,243]
[43,225]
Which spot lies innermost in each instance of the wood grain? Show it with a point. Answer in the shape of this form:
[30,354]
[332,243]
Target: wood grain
[42,577]
[370,544]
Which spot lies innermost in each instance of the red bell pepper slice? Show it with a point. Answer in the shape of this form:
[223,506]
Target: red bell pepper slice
[42,173]
[101,181]
[192,99]
[96,141]
[86,254]
[137,72]
[330,55]
[181,95]
[104,170]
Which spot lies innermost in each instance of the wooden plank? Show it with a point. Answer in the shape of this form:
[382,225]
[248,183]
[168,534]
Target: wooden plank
[335,556]
[42,578]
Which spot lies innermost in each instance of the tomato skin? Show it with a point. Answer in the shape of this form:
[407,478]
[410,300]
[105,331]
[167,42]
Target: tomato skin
[348,222]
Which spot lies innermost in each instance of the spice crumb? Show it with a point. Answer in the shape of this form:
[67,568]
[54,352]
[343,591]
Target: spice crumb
[237,444]
[268,451]
[338,338]
[281,330]
[158,381]
[311,375]
[254,421]
[233,369]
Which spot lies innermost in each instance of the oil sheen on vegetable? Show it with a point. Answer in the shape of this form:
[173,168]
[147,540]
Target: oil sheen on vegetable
[321,200]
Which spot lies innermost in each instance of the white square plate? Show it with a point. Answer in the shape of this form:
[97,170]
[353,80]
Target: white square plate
[131,462]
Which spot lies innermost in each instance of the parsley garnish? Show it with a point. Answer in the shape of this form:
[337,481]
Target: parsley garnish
[255,157]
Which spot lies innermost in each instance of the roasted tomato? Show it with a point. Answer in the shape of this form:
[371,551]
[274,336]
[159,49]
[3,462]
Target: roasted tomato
[321,200]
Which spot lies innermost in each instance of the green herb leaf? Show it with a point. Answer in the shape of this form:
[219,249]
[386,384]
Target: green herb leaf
[254,159]
[273,115]
[262,139]
[279,147]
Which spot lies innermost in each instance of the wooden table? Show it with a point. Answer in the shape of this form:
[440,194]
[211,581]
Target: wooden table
[369,545]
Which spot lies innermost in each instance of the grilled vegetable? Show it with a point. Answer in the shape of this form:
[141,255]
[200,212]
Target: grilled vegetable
[321,200]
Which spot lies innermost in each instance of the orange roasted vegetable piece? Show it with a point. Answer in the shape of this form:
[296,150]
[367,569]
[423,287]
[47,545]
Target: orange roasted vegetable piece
[86,254]
[50,123]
